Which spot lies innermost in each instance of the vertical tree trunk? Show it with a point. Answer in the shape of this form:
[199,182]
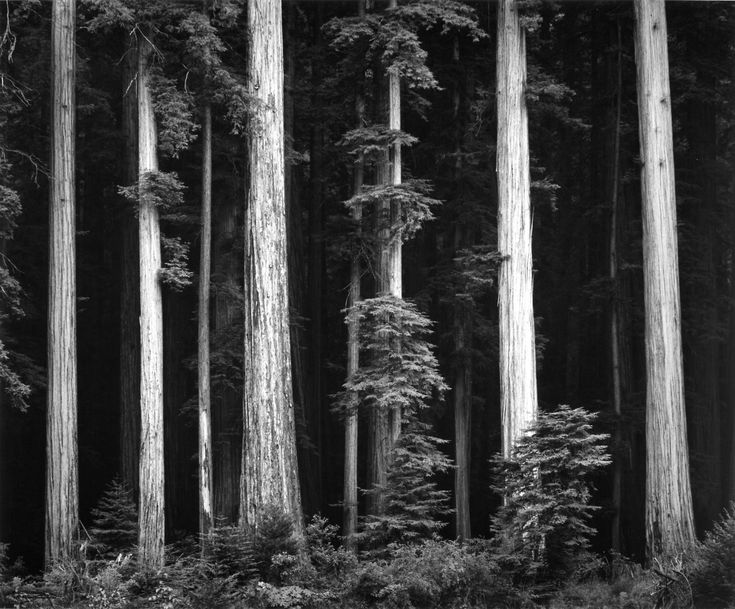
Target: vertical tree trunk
[614,315]
[205,418]
[226,422]
[350,501]
[62,511]
[269,470]
[151,512]
[462,414]
[129,284]
[518,398]
[669,520]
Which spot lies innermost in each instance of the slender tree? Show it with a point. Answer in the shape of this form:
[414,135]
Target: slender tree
[151,511]
[269,477]
[350,504]
[518,399]
[62,512]
[205,417]
[669,519]
[129,284]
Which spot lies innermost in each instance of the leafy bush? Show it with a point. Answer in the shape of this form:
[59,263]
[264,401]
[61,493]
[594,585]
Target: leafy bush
[436,574]
[274,545]
[711,571]
[229,551]
[541,529]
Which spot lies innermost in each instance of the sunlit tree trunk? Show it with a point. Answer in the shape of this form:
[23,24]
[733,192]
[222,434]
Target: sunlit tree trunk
[151,510]
[518,398]
[269,471]
[129,284]
[62,511]
[669,520]
[205,417]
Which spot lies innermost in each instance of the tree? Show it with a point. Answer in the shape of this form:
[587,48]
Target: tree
[669,518]
[518,399]
[151,511]
[269,476]
[205,417]
[62,512]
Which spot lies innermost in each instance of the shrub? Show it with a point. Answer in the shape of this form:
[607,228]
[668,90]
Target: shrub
[229,551]
[274,545]
[711,570]
[541,529]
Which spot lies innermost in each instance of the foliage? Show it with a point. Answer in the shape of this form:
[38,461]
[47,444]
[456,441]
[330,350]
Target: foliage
[711,570]
[160,189]
[374,140]
[542,527]
[174,111]
[114,529]
[274,544]
[175,272]
[436,574]
[413,502]
[229,550]
[400,371]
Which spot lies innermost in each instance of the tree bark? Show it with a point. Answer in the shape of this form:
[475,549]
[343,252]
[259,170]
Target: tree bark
[269,470]
[129,284]
[62,494]
[462,414]
[669,519]
[517,355]
[350,500]
[151,512]
[206,520]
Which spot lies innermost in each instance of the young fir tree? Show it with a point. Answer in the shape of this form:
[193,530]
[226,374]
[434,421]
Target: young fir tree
[544,522]
[400,372]
[115,521]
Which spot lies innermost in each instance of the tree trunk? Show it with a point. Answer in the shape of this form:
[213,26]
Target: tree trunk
[669,520]
[614,305]
[462,413]
[227,407]
[205,419]
[129,284]
[350,501]
[62,509]
[151,520]
[517,355]
[269,470]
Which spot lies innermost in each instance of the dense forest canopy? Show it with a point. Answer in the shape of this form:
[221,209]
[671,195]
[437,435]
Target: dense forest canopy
[333,258]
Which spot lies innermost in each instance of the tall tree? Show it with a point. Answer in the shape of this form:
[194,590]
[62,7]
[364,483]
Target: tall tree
[517,355]
[269,476]
[62,511]
[129,284]
[151,511]
[350,503]
[205,416]
[669,518]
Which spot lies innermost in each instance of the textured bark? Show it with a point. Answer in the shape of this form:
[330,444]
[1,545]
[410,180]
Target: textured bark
[669,520]
[62,500]
[518,396]
[350,501]
[205,417]
[129,284]
[269,470]
[151,519]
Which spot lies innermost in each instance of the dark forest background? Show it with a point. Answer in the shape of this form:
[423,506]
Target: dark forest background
[580,56]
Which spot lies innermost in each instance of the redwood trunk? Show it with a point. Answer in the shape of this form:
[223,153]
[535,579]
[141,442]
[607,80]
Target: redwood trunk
[669,520]
[205,418]
[518,398]
[151,520]
[269,470]
[62,509]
